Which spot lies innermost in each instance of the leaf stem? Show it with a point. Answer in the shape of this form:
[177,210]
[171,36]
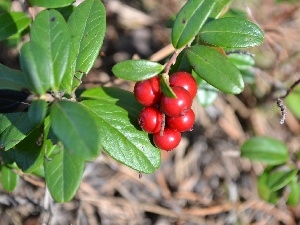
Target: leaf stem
[172,61]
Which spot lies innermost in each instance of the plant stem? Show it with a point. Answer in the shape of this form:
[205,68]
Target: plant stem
[172,61]
[291,89]
[280,101]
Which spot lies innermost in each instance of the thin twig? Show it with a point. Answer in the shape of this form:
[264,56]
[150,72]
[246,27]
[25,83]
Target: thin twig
[172,61]
[280,101]
[290,89]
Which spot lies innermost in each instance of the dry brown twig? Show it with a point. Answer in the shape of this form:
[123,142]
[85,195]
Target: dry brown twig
[280,101]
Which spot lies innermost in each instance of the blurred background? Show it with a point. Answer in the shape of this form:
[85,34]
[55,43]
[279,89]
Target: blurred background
[204,180]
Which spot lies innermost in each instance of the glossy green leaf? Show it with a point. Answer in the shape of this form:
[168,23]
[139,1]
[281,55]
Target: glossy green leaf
[232,32]
[51,33]
[75,128]
[137,70]
[88,25]
[9,179]
[294,195]
[37,111]
[207,94]
[63,173]
[11,79]
[114,95]
[34,65]
[293,101]
[52,3]
[265,149]
[241,61]
[198,79]
[12,23]
[14,128]
[220,8]
[40,171]
[190,20]
[279,179]
[165,87]
[119,132]
[27,154]
[216,69]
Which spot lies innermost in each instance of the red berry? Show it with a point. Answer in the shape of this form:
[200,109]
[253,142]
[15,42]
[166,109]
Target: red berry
[150,119]
[175,107]
[168,141]
[147,92]
[185,80]
[182,123]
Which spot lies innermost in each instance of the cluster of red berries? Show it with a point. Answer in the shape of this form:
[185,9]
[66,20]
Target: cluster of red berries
[166,117]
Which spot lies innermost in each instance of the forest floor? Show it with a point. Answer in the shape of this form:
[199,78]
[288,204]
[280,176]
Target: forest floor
[203,181]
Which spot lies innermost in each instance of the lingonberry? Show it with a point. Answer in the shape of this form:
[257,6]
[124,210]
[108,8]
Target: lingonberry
[185,80]
[147,92]
[175,107]
[182,123]
[169,139]
[150,119]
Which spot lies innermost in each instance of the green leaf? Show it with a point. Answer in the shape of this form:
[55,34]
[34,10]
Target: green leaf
[266,150]
[137,70]
[114,95]
[37,111]
[248,76]
[262,187]
[241,61]
[75,128]
[165,87]
[27,154]
[14,128]
[232,32]
[52,3]
[66,11]
[279,179]
[220,7]
[119,132]
[5,6]
[63,173]
[293,102]
[190,20]
[206,94]
[9,178]
[40,171]
[51,33]
[12,23]
[88,25]
[13,40]
[294,195]
[11,79]
[216,69]
[34,65]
